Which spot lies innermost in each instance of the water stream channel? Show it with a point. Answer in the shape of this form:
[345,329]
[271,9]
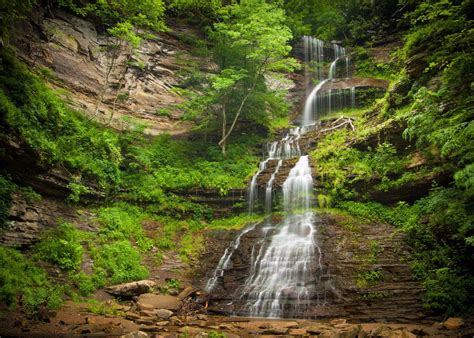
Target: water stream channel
[286,274]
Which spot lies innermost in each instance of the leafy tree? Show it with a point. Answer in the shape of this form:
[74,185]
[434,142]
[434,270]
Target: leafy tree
[250,43]
[199,12]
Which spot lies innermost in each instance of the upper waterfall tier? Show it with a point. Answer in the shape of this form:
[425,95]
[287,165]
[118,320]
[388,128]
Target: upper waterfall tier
[319,101]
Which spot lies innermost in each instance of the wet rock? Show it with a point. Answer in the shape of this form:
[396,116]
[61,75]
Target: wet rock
[226,326]
[150,301]
[146,321]
[148,313]
[297,332]
[453,323]
[175,321]
[187,292]
[352,331]
[275,331]
[317,329]
[201,317]
[135,334]
[163,313]
[132,289]
[190,330]
[99,328]
[132,315]
[408,334]
[338,321]
[150,328]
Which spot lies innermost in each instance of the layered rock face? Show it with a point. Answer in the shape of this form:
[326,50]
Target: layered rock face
[73,56]
[367,267]
[28,219]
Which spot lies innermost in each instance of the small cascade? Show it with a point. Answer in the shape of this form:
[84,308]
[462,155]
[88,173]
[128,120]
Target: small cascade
[280,282]
[225,259]
[253,188]
[268,191]
[314,56]
[287,147]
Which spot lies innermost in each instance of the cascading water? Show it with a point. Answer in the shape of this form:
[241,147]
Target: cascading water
[281,280]
[268,191]
[322,99]
[286,275]
[225,259]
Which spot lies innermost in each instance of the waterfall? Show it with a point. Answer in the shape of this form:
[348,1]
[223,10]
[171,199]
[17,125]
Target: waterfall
[280,280]
[286,276]
[310,103]
[319,103]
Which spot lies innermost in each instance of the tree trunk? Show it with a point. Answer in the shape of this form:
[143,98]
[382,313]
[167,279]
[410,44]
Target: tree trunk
[224,123]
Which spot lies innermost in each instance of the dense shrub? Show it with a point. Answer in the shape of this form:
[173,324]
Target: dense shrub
[22,283]
[62,246]
[117,262]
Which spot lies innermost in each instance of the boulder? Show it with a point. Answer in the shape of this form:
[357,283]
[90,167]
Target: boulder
[278,331]
[132,315]
[338,321]
[297,332]
[132,289]
[151,301]
[163,313]
[187,292]
[453,323]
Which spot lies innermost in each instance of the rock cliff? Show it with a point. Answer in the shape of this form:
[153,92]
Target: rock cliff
[73,56]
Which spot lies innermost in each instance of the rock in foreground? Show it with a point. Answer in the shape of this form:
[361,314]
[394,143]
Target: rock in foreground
[132,289]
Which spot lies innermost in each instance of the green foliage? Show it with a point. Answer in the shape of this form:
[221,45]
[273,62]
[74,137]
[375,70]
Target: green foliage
[352,20]
[22,283]
[369,278]
[198,12]
[171,284]
[234,223]
[117,262]
[250,42]
[104,308]
[29,194]
[215,334]
[341,167]
[124,18]
[447,291]
[37,116]
[123,222]
[83,283]
[369,212]
[192,244]
[6,189]
[62,246]
[187,164]
[12,12]
[366,65]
